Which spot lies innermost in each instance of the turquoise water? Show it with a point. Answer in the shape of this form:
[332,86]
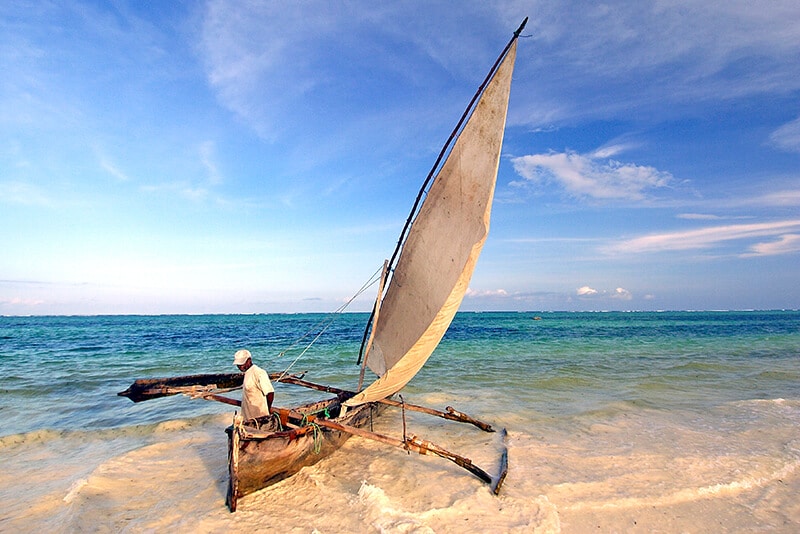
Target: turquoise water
[595,390]
[62,372]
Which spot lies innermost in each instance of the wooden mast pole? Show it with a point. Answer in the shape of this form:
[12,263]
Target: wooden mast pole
[420,446]
[376,313]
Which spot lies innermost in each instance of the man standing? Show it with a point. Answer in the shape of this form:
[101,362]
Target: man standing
[257,391]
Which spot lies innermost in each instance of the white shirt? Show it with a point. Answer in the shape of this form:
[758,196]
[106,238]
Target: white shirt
[254,395]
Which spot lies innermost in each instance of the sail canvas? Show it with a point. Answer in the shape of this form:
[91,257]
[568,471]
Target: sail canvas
[442,248]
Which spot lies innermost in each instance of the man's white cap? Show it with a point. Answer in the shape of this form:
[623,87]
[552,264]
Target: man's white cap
[241,357]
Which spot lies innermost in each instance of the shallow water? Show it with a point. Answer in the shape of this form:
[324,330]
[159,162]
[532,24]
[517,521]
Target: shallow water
[637,422]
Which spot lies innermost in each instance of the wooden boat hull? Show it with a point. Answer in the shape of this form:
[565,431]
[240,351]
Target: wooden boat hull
[270,449]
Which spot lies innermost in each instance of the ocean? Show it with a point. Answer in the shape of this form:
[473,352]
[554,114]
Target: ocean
[617,422]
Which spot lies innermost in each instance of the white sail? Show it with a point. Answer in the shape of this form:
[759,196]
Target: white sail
[439,256]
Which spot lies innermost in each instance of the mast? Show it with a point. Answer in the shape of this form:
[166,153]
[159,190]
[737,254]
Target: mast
[376,314]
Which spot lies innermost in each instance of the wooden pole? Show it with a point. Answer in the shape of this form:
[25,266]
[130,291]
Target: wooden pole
[413,443]
[451,414]
[233,465]
[153,388]
[375,314]
[503,470]
[224,400]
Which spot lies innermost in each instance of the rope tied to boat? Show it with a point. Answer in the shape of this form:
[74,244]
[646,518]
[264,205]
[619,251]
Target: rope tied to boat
[277,418]
[317,430]
[325,323]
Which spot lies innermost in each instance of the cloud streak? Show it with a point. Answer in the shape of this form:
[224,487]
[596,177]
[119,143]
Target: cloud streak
[781,232]
[787,137]
[786,244]
[679,51]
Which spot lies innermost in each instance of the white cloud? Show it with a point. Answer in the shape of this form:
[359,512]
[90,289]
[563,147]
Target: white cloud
[787,137]
[472,293]
[609,151]
[710,217]
[785,244]
[622,294]
[699,216]
[703,238]
[619,293]
[592,175]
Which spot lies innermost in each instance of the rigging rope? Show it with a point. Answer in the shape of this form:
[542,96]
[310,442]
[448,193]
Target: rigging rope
[327,321]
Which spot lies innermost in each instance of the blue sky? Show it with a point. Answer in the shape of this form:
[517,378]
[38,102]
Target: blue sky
[239,157]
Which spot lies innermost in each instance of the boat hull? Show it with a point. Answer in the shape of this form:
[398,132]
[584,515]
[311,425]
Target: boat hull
[268,450]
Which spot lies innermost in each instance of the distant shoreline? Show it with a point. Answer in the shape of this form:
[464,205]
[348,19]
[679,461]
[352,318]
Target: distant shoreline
[539,312]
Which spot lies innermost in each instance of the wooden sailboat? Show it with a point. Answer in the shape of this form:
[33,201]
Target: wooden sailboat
[435,258]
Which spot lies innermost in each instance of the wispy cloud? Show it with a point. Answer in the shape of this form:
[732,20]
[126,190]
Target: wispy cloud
[784,241]
[203,185]
[208,158]
[109,167]
[592,175]
[756,197]
[195,192]
[23,193]
[785,198]
[257,61]
[261,64]
[641,54]
[785,244]
[612,149]
[711,217]
[646,54]
[787,137]
[699,216]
